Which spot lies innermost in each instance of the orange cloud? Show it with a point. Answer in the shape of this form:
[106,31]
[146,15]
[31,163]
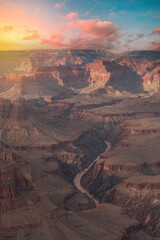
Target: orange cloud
[156,31]
[7,28]
[70,16]
[32,35]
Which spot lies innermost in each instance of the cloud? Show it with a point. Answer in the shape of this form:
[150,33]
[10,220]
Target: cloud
[85,42]
[70,16]
[95,28]
[91,33]
[140,35]
[155,45]
[130,35]
[7,28]
[121,12]
[56,40]
[57,5]
[31,35]
[111,14]
[80,42]
[156,31]
[52,43]
[57,37]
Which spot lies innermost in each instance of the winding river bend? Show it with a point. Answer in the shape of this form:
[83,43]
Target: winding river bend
[78,177]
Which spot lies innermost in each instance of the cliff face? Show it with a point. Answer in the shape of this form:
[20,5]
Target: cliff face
[148,70]
[139,198]
[57,81]
[21,126]
[14,179]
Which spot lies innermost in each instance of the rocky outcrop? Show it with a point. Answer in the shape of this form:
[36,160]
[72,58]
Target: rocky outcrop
[147,69]
[139,198]
[116,118]
[21,127]
[99,75]
[14,179]
[54,81]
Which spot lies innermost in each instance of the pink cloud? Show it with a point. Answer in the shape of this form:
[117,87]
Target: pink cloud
[111,14]
[60,4]
[154,46]
[82,42]
[51,43]
[57,5]
[32,35]
[156,31]
[91,33]
[70,16]
[95,28]
[155,43]
[56,40]
[57,37]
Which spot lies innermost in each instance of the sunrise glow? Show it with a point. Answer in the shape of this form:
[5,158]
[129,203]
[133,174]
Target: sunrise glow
[106,24]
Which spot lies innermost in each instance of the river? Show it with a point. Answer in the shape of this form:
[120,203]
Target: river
[78,177]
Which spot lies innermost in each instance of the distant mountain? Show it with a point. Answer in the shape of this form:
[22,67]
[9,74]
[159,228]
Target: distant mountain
[149,55]
[67,57]
[58,81]
[25,60]
[9,60]
[133,73]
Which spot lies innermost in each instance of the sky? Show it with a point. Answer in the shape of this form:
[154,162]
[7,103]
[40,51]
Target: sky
[115,25]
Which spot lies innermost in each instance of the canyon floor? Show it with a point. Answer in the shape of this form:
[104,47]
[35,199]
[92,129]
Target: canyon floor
[59,111]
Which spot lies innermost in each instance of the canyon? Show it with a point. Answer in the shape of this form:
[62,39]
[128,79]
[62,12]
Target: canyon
[79,145]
